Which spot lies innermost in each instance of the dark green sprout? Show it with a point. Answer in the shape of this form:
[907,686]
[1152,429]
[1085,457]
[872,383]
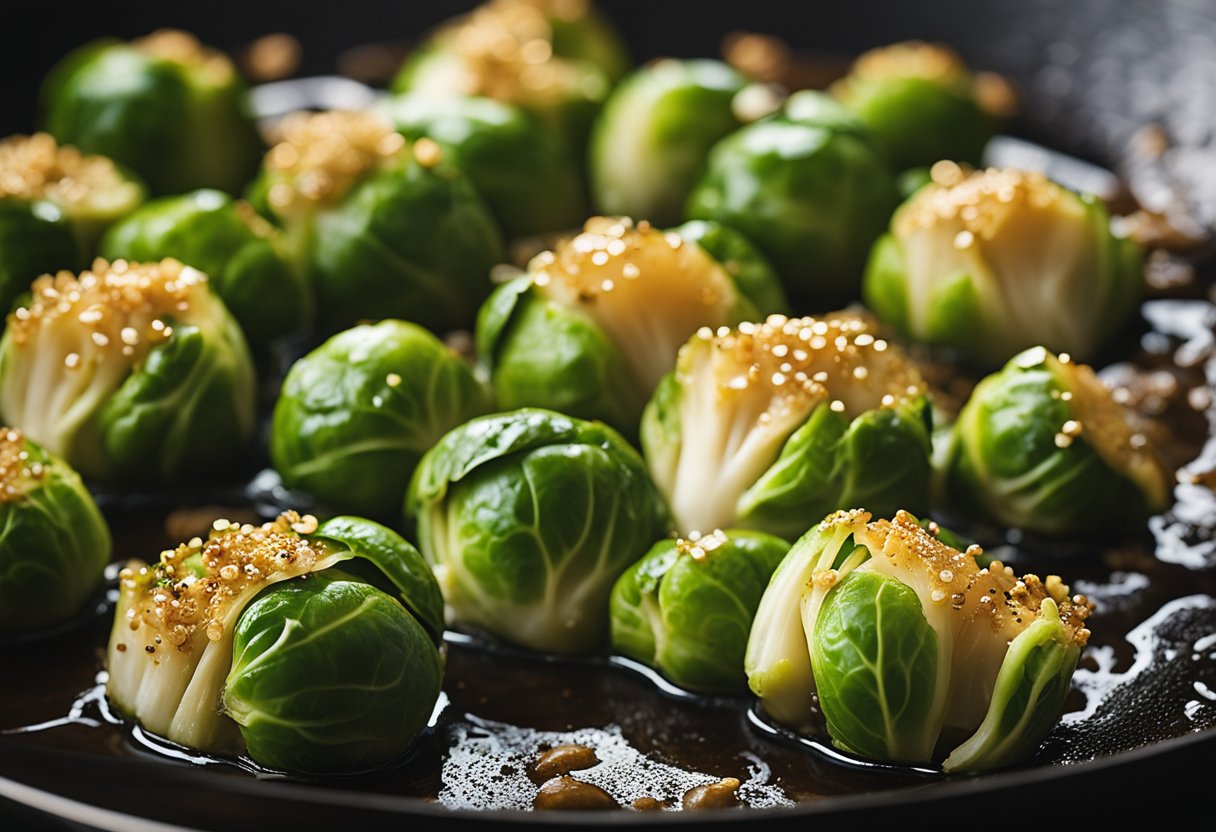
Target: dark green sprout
[54,542]
[165,106]
[529,517]
[357,413]
[686,607]
[381,228]
[243,256]
[251,642]
[811,189]
[526,175]
[1042,445]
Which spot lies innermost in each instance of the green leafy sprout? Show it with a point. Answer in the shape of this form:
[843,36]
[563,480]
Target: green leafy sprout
[251,642]
[907,642]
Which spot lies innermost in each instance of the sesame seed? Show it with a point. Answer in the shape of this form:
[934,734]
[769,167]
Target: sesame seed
[36,167]
[320,155]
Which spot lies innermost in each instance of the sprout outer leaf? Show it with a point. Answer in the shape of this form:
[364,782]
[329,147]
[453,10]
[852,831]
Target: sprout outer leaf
[1027,699]
[54,544]
[759,287]
[875,660]
[686,607]
[398,560]
[299,708]
[541,353]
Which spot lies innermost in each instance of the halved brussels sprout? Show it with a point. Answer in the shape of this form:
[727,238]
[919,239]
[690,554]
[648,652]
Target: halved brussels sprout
[650,143]
[555,58]
[54,543]
[133,373]
[382,228]
[526,175]
[236,643]
[769,425]
[165,106]
[357,413]
[908,643]
[1042,445]
[528,518]
[242,255]
[596,323]
[993,262]
[687,606]
[919,101]
[812,194]
[54,202]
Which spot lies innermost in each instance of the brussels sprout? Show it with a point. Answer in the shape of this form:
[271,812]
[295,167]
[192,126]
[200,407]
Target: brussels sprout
[248,641]
[650,143]
[769,425]
[382,229]
[812,194]
[164,105]
[54,543]
[594,325]
[358,412]
[555,59]
[1042,445]
[526,176]
[528,518]
[996,261]
[242,255]
[908,642]
[133,373]
[919,101]
[818,109]
[687,606]
[54,201]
